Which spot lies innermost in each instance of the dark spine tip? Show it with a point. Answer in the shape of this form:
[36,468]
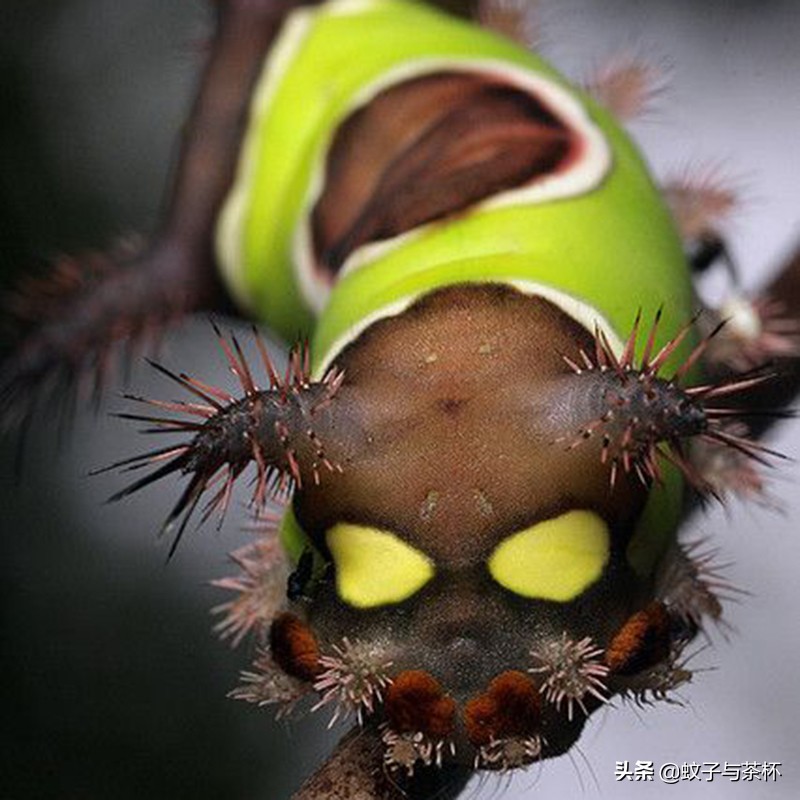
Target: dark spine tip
[283,431]
[70,321]
[642,416]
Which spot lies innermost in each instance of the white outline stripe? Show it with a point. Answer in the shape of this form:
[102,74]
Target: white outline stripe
[584,314]
[231,223]
[585,175]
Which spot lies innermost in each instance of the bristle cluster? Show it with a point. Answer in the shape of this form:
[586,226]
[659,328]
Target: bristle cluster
[271,428]
[260,589]
[646,656]
[642,411]
[31,307]
[692,583]
[266,684]
[353,679]
[37,297]
[572,671]
[659,683]
[627,85]
[66,325]
[509,753]
[726,472]
[409,750]
[757,330]
[515,19]
[700,198]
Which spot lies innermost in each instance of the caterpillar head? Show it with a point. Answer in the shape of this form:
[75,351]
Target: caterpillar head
[488,583]
[468,577]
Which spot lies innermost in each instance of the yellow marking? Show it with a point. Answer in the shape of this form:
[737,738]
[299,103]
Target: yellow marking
[295,542]
[374,567]
[554,560]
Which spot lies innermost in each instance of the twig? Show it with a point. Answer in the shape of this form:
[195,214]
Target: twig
[355,771]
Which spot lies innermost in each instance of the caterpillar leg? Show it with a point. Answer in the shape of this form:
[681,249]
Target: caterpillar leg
[68,322]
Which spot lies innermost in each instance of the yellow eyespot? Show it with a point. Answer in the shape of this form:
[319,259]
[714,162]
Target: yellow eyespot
[554,560]
[374,567]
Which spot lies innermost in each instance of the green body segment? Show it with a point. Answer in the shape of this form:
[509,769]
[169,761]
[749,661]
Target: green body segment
[614,248]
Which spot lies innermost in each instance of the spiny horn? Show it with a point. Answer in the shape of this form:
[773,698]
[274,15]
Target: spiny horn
[642,416]
[282,430]
[68,323]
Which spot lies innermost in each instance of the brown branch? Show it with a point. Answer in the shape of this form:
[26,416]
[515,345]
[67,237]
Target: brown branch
[355,771]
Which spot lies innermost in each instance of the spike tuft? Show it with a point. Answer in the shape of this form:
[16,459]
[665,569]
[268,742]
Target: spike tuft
[353,679]
[275,429]
[642,416]
[267,684]
[627,85]
[729,472]
[757,331]
[407,751]
[692,584]
[700,198]
[660,682]
[509,753]
[572,672]
[260,589]
[517,20]
[66,325]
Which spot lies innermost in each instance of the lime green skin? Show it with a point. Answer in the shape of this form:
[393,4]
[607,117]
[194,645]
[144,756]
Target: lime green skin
[614,247]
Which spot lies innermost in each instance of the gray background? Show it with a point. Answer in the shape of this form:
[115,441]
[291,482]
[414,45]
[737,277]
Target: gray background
[110,682]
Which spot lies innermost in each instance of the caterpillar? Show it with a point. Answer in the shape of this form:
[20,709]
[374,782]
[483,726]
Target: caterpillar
[496,417]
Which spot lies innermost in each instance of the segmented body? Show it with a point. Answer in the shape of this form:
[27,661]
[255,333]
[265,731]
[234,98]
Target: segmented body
[589,231]
[592,225]
[483,526]
[471,545]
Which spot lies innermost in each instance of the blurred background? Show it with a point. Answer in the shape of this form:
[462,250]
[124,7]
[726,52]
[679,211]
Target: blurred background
[111,683]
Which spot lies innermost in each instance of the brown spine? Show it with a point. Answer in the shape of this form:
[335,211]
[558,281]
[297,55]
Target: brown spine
[69,320]
[761,401]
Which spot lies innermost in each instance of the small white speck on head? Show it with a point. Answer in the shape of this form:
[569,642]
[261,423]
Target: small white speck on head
[742,317]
